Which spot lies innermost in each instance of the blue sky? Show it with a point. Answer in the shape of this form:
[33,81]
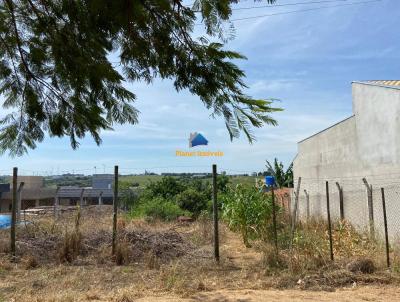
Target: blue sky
[305,59]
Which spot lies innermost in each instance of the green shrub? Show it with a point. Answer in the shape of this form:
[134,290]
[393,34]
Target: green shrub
[201,185]
[167,188]
[192,201]
[157,209]
[129,199]
[223,182]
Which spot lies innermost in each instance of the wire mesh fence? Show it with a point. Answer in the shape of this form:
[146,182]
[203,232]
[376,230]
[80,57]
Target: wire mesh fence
[358,202]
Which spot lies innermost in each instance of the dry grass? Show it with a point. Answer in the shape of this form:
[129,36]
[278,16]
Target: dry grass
[310,250]
[158,259]
[29,262]
[122,253]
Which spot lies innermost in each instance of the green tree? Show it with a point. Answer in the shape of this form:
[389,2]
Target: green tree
[192,200]
[57,76]
[282,178]
[168,187]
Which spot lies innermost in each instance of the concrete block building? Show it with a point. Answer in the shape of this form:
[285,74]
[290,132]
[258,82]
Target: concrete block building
[100,192]
[33,194]
[364,145]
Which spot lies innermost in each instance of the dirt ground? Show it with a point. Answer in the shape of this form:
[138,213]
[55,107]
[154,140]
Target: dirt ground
[365,293]
[166,262]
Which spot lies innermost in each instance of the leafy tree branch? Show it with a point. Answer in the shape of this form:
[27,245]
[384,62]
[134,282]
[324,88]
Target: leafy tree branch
[56,74]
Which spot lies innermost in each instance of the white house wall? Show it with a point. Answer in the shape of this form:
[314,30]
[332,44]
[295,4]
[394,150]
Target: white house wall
[364,145]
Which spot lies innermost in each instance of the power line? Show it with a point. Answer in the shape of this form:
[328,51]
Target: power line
[301,10]
[286,4]
[306,10]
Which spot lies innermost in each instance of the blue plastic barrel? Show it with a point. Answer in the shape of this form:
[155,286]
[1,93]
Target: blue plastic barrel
[269,180]
[5,221]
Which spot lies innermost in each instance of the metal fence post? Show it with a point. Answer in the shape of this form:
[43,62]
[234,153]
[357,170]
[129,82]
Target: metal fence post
[341,204]
[115,210]
[215,213]
[385,225]
[13,213]
[370,207]
[329,220]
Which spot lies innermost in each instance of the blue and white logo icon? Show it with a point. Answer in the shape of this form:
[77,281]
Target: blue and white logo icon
[196,139]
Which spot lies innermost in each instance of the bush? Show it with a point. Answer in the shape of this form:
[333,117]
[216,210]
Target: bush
[129,199]
[192,201]
[158,209]
[168,187]
[223,182]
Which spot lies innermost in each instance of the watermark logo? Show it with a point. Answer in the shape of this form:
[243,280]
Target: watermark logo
[197,139]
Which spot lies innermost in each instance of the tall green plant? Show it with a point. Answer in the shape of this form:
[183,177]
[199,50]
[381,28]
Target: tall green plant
[248,211]
[282,178]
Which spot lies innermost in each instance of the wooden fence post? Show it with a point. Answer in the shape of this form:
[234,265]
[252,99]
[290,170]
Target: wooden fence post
[19,205]
[274,220]
[101,198]
[56,203]
[13,212]
[81,198]
[296,201]
[329,220]
[370,207]
[386,228]
[307,204]
[115,210]
[341,204]
[215,212]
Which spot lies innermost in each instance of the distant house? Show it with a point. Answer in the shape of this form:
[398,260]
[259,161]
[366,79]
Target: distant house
[102,181]
[196,139]
[4,188]
[99,193]
[33,194]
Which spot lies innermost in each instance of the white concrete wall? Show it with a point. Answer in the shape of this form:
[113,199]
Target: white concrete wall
[377,112]
[364,145]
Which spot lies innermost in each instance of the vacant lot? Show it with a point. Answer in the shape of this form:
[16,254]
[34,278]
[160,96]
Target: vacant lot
[71,261]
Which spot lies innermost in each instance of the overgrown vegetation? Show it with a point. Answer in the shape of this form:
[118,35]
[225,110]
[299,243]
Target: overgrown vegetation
[177,259]
[305,248]
[247,210]
[157,208]
[170,197]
